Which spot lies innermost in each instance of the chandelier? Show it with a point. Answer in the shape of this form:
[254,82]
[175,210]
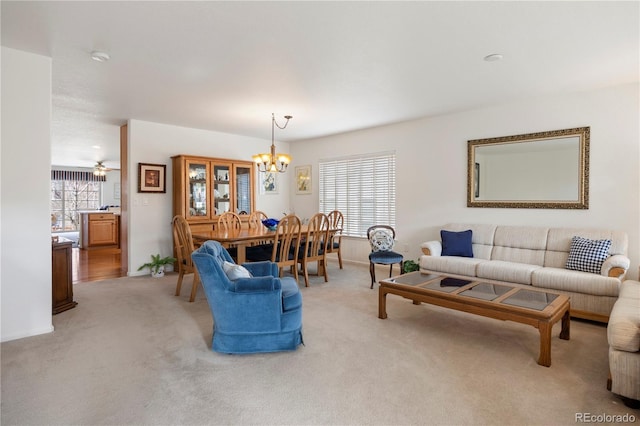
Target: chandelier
[273,162]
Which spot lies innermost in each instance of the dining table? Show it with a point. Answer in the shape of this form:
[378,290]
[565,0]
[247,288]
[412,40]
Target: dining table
[242,238]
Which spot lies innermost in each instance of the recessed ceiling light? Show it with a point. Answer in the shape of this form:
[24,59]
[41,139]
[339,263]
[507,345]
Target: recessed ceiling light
[99,56]
[96,147]
[493,57]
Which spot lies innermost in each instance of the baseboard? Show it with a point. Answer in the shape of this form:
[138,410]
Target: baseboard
[29,333]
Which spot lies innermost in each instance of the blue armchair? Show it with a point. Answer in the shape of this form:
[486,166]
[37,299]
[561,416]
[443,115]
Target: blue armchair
[258,314]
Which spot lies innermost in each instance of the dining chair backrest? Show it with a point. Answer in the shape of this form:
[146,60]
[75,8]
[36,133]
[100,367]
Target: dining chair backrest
[287,243]
[183,242]
[229,221]
[255,219]
[314,247]
[336,227]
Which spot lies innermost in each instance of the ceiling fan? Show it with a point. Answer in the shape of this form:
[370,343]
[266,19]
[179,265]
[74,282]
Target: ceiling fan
[100,169]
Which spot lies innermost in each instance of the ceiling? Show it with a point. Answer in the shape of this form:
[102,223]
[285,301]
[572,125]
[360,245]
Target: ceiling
[335,66]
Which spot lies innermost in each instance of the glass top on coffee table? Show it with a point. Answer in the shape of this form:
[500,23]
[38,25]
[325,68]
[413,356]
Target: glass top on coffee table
[520,297]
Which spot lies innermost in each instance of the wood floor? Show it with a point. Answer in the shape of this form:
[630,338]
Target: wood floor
[94,265]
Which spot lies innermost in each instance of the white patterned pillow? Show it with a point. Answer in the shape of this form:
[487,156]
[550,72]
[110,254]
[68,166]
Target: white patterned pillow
[381,240]
[587,255]
[234,271]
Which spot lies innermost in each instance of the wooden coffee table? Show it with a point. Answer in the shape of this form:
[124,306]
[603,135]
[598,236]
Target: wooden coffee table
[507,302]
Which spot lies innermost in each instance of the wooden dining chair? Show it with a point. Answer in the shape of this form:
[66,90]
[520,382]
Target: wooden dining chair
[255,222]
[255,219]
[336,226]
[286,244]
[229,221]
[314,246]
[183,242]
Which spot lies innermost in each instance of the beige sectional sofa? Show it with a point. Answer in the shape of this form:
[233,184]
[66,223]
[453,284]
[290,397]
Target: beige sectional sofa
[536,256]
[623,334]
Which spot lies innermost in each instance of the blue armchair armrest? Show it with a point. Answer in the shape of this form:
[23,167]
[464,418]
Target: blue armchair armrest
[256,284]
[262,269]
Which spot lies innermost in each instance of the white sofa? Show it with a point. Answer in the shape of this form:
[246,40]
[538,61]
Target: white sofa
[623,335]
[536,256]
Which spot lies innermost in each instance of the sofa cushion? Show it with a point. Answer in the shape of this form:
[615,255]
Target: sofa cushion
[521,244]
[456,243]
[575,281]
[451,264]
[623,330]
[559,243]
[291,296]
[481,238]
[234,271]
[587,255]
[506,271]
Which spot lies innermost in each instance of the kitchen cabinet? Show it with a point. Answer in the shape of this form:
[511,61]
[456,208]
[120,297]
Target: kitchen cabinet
[205,187]
[99,230]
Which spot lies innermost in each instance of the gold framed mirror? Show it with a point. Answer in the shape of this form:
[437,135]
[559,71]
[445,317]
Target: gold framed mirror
[544,170]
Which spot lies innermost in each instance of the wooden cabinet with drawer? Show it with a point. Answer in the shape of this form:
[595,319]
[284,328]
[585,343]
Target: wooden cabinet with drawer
[61,277]
[99,230]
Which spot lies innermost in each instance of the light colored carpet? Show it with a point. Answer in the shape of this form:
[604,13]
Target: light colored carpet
[132,353]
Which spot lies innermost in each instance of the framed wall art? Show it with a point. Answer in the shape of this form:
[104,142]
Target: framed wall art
[303,180]
[152,178]
[268,183]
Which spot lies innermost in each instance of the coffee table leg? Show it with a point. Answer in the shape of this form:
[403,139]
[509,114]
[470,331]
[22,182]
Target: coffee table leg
[382,303]
[565,333]
[545,343]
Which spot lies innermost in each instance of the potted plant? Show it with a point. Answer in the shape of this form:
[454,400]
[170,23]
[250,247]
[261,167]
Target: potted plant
[156,266]
[410,266]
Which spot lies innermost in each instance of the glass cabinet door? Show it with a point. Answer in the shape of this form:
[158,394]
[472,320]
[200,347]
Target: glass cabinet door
[222,190]
[244,186]
[197,193]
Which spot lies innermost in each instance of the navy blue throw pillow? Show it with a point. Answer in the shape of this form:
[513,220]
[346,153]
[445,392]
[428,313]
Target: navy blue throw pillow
[456,243]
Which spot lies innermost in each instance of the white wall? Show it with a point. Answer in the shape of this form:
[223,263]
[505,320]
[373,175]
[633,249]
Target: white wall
[150,214]
[109,188]
[432,160]
[25,230]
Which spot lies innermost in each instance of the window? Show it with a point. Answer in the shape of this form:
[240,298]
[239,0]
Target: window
[72,192]
[362,187]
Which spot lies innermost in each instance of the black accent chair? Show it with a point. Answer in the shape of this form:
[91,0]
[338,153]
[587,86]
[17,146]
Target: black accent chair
[382,238]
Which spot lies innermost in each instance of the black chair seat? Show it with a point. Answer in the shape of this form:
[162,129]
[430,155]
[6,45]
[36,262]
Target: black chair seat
[259,253]
[385,257]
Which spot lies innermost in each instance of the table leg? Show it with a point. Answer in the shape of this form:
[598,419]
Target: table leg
[242,253]
[382,303]
[545,343]
[565,333]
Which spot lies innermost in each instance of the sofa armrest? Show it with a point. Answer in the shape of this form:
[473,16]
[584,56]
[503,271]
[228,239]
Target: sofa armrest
[432,248]
[257,284]
[615,266]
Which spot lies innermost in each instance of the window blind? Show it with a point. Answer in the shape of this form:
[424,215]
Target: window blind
[362,187]
[243,201]
[76,176]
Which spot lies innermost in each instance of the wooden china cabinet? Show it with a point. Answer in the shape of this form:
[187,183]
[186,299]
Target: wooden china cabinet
[204,188]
